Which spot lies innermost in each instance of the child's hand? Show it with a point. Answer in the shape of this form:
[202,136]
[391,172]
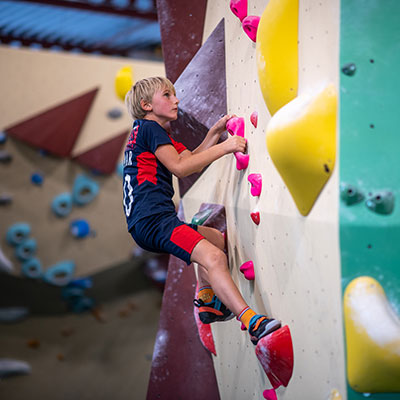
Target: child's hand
[220,125]
[234,144]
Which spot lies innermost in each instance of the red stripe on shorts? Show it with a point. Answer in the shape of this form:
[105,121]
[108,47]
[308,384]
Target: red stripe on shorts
[185,237]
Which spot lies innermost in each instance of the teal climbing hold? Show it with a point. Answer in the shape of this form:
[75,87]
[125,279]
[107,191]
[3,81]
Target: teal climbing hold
[200,217]
[381,202]
[349,69]
[26,250]
[62,204]
[84,190]
[350,194]
[60,274]
[32,268]
[17,233]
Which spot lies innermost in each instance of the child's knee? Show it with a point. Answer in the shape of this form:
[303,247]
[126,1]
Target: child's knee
[217,259]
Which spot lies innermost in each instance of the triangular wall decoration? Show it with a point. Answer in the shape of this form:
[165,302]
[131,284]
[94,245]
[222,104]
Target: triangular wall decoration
[181,26]
[201,90]
[103,158]
[56,129]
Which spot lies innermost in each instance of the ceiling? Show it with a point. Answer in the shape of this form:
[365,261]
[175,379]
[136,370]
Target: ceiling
[125,28]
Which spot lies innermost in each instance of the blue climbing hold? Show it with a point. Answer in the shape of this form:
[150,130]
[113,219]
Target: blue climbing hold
[62,204]
[26,250]
[84,190]
[82,304]
[71,293]
[3,137]
[32,268]
[83,283]
[79,228]
[37,178]
[60,274]
[17,233]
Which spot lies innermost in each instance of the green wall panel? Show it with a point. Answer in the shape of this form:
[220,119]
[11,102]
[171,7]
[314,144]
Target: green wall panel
[370,145]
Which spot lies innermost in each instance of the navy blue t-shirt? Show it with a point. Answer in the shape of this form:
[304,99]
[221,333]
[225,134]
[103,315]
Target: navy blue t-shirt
[148,186]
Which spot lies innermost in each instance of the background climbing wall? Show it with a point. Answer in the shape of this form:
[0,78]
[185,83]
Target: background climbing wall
[52,79]
[369,156]
[296,258]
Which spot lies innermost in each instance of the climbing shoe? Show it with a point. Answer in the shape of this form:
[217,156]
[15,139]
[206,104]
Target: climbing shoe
[212,311]
[261,326]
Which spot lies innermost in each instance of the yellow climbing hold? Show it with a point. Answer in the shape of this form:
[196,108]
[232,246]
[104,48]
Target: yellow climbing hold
[277,54]
[123,82]
[372,336]
[335,395]
[301,140]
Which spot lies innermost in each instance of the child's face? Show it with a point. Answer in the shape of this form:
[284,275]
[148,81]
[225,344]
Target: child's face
[165,105]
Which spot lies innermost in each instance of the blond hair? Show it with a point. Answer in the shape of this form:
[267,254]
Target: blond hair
[144,90]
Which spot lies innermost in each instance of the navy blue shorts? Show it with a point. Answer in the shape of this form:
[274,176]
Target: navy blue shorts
[166,234]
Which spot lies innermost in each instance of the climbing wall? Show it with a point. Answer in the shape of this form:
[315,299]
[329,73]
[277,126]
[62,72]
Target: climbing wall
[295,250]
[369,213]
[55,110]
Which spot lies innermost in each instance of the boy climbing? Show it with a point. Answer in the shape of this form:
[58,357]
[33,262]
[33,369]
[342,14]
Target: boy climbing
[151,157]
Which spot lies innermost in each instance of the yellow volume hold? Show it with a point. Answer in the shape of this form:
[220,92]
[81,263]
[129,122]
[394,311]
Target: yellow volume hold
[277,53]
[372,337]
[301,140]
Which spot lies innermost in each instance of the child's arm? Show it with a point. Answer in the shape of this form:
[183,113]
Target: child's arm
[187,163]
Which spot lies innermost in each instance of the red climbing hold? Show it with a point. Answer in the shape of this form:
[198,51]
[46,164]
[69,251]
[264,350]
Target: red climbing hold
[275,353]
[250,26]
[254,118]
[247,269]
[239,8]
[255,216]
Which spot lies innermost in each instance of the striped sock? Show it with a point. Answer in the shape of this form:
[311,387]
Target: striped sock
[245,316]
[206,293]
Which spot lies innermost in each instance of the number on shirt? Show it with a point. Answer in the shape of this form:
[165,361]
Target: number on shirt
[128,198]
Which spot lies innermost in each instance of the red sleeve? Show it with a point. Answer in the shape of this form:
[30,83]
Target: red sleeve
[179,147]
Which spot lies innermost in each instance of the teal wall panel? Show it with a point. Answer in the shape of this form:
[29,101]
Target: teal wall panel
[370,145]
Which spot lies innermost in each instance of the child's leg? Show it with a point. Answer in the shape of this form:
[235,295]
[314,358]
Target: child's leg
[214,266]
[213,269]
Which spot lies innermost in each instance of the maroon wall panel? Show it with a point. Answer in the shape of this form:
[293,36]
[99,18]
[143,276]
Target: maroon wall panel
[57,129]
[103,158]
[182,368]
[181,25]
[201,90]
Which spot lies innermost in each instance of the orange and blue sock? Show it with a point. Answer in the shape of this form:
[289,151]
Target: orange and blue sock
[245,316]
[206,294]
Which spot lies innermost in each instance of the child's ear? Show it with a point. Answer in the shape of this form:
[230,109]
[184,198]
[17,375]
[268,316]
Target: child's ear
[146,105]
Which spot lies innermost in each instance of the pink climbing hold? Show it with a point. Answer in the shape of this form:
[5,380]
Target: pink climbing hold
[248,270]
[242,160]
[255,216]
[254,118]
[250,26]
[243,327]
[239,8]
[235,126]
[256,184]
[270,394]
